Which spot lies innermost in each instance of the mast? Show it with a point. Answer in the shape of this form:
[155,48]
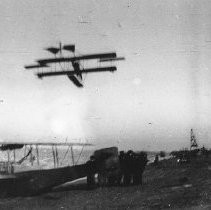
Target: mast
[193,143]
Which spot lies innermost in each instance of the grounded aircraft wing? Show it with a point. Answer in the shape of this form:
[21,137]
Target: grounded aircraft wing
[83,57]
[4,147]
[41,143]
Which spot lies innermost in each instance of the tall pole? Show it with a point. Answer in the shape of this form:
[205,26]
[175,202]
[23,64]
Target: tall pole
[73,161]
[57,157]
[38,159]
[14,155]
[54,161]
[8,164]
[31,156]
[25,150]
[8,156]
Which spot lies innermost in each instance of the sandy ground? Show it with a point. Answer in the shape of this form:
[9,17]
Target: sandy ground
[166,186]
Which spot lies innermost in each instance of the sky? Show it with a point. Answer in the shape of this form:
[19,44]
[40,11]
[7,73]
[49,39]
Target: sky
[151,102]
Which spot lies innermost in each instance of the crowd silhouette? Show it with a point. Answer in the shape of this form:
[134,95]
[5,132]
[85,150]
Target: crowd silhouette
[125,168]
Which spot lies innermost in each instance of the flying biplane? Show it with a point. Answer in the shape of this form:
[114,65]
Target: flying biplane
[71,66]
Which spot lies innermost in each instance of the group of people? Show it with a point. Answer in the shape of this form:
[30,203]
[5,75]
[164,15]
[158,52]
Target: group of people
[130,168]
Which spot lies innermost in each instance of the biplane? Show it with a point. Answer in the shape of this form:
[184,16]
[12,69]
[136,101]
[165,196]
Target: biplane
[73,66]
[29,151]
[36,179]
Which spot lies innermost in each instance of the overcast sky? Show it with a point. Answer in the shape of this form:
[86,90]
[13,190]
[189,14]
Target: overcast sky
[157,95]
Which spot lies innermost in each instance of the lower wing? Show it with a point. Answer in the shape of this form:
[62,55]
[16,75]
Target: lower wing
[84,71]
[73,75]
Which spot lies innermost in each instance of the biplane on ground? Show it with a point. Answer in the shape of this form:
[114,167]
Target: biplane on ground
[30,152]
[34,181]
[73,66]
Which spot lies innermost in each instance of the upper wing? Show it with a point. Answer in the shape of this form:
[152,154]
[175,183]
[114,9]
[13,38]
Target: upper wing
[111,59]
[4,147]
[36,66]
[47,143]
[83,57]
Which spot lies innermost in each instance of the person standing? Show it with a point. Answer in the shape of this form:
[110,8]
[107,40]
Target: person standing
[91,171]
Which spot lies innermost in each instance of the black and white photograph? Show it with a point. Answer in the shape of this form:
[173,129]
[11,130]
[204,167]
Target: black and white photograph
[105,104]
